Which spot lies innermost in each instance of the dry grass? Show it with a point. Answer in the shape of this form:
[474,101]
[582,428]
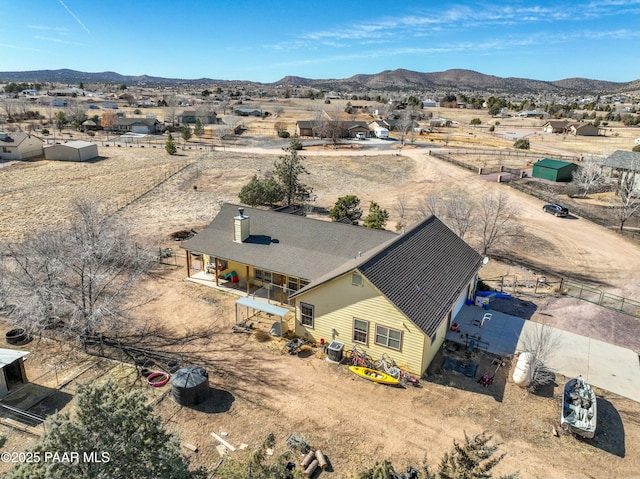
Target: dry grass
[37,195]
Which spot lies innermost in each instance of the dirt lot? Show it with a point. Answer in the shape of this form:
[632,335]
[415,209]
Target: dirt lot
[258,390]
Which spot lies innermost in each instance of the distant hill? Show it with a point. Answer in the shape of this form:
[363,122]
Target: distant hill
[388,80]
[458,79]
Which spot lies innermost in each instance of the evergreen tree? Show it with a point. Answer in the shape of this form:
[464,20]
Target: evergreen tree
[288,170]
[198,129]
[347,207]
[185,132]
[170,146]
[472,459]
[377,217]
[118,427]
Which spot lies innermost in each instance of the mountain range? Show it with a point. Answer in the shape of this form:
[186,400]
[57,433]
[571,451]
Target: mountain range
[388,80]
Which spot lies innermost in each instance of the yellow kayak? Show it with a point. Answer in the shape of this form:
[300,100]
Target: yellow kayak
[373,375]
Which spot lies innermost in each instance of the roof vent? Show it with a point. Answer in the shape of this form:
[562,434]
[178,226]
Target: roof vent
[241,211]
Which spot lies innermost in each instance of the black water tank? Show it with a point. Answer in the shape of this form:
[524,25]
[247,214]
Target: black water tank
[190,386]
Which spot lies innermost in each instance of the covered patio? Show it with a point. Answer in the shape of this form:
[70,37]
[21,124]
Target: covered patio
[248,309]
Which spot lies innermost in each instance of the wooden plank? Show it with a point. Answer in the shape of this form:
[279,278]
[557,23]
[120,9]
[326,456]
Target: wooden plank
[223,442]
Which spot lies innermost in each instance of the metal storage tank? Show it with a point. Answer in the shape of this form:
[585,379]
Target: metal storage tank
[190,386]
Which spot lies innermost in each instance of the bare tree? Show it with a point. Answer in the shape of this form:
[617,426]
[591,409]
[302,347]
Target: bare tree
[430,205]
[588,175]
[401,205]
[80,277]
[9,106]
[172,107]
[459,213]
[626,203]
[334,130]
[496,220]
[405,124]
[541,342]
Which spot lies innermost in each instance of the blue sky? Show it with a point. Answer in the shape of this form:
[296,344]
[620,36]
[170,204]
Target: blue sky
[267,40]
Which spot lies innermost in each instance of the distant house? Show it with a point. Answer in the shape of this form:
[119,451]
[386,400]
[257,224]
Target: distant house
[556,126]
[532,113]
[355,127]
[393,294]
[429,104]
[315,128]
[110,105]
[71,151]
[247,111]
[553,170]
[20,146]
[137,125]
[622,161]
[583,129]
[305,128]
[191,116]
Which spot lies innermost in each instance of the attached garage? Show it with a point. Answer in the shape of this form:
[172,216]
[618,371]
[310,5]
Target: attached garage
[553,170]
[71,151]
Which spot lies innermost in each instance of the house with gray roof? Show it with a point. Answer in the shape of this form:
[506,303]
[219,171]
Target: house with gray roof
[20,146]
[389,293]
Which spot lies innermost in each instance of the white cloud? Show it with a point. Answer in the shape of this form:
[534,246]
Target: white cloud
[74,16]
[56,40]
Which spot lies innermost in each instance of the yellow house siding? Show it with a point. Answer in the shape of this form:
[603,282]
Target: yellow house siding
[338,302]
[432,348]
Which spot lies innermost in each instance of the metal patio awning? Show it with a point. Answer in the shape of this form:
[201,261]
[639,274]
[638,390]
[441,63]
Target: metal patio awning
[262,306]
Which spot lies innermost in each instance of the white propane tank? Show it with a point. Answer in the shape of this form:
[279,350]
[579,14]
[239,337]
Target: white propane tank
[522,371]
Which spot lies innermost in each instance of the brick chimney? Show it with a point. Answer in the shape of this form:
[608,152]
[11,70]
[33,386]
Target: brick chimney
[240,227]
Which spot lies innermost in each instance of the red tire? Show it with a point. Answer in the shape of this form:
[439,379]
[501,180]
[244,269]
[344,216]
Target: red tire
[158,379]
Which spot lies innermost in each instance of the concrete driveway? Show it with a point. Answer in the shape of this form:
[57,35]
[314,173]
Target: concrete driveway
[603,365]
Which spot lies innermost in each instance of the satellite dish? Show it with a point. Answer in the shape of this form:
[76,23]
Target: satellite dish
[485,260]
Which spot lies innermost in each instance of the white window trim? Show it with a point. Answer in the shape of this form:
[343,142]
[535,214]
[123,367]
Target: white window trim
[366,333]
[313,315]
[388,337]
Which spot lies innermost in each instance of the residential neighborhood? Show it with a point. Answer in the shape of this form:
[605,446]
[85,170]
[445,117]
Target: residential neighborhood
[265,262]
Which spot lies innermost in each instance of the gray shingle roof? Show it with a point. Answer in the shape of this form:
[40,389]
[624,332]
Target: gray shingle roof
[623,160]
[287,244]
[423,272]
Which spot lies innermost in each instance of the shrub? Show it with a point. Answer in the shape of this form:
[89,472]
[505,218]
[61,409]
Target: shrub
[45,131]
[522,144]
[284,134]
[636,148]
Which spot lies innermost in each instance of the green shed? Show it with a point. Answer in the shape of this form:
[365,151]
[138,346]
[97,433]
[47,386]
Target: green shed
[553,170]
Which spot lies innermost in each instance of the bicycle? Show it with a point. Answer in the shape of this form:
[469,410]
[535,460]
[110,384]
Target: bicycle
[360,358]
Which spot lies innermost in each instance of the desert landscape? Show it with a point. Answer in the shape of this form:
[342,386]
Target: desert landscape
[256,388]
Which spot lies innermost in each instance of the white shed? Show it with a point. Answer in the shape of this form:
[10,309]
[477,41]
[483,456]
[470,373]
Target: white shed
[12,372]
[71,151]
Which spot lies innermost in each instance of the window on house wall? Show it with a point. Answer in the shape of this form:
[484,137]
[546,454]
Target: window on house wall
[391,338]
[303,283]
[258,274]
[356,279]
[360,331]
[292,283]
[306,314]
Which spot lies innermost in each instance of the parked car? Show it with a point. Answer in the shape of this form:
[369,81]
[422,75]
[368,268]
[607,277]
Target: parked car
[361,135]
[556,209]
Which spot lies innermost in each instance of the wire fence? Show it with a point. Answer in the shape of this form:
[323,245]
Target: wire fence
[597,296]
[544,285]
